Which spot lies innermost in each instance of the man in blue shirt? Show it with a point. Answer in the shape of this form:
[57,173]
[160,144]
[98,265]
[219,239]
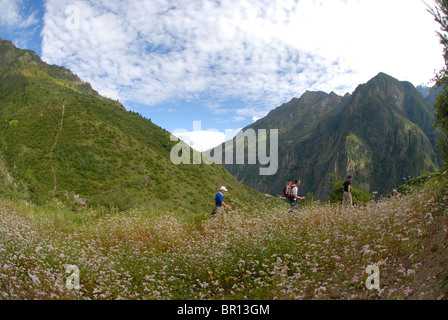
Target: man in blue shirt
[219,203]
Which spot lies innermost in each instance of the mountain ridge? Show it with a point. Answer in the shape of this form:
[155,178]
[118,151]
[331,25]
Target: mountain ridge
[381,133]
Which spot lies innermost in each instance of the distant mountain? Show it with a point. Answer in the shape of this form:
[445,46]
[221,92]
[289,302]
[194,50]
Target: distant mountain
[59,139]
[424,91]
[432,96]
[382,133]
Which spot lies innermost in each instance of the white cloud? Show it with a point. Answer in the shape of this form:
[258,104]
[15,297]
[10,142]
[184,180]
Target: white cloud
[202,140]
[260,52]
[11,16]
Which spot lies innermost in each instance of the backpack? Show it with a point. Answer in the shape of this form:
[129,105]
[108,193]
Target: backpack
[287,189]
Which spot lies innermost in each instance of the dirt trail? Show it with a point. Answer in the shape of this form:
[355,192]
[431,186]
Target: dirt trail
[59,131]
[54,146]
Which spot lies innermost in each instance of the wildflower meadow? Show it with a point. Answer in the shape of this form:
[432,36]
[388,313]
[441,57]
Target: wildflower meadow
[318,253]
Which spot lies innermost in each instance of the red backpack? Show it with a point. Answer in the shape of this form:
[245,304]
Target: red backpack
[287,189]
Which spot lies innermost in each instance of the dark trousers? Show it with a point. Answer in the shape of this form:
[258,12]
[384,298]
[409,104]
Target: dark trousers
[294,204]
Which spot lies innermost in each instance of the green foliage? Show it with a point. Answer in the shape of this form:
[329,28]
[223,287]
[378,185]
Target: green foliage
[416,184]
[440,13]
[441,187]
[437,181]
[72,141]
[309,199]
[443,146]
[13,123]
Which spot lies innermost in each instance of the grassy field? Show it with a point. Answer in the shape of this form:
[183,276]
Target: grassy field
[267,253]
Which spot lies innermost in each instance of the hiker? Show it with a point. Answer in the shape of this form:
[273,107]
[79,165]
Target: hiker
[220,204]
[295,195]
[347,197]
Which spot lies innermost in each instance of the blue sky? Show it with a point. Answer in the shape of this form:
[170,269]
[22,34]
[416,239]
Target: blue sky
[225,63]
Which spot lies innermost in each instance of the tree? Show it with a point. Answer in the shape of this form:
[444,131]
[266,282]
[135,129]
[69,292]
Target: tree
[440,13]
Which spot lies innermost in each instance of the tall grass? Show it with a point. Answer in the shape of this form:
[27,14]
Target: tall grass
[321,252]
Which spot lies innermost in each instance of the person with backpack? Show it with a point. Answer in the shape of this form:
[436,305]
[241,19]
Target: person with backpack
[291,192]
[347,199]
[220,204]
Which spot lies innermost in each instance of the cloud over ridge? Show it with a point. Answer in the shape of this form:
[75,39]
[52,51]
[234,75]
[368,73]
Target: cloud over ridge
[260,52]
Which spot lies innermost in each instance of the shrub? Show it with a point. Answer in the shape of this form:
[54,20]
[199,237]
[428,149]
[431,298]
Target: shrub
[13,123]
